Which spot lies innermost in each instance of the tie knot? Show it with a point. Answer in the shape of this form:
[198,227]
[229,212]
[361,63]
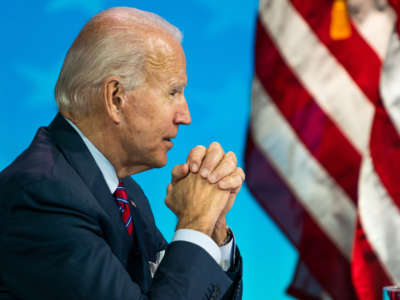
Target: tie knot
[121,184]
[120,192]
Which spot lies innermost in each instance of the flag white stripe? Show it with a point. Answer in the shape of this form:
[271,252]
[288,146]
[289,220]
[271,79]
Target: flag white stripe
[380,219]
[319,194]
[319,71]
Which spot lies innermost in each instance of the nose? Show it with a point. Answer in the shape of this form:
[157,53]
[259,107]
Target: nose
[182,115]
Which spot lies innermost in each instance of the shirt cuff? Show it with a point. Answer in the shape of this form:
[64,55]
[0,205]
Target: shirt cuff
[227,254]
[200,239]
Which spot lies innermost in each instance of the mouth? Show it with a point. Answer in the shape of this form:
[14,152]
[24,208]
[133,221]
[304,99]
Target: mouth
[169,142]
[169,139]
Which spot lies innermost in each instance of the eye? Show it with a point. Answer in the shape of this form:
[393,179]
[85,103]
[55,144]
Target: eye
[174,92]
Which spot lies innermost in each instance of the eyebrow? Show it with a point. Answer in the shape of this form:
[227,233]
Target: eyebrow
[179,86]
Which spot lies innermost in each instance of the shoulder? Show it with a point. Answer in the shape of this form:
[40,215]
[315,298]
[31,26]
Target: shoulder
[36,163]
[40,175]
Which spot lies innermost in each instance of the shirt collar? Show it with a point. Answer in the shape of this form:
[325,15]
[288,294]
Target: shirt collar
[106,168]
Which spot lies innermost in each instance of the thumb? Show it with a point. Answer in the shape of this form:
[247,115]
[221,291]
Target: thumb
[179,172]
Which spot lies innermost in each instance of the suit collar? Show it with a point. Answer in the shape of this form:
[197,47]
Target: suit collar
[105,166]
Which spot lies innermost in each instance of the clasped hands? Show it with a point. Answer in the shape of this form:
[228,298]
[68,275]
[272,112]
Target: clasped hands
[203,190]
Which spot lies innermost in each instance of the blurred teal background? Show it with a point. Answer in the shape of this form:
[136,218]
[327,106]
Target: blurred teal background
[218,41]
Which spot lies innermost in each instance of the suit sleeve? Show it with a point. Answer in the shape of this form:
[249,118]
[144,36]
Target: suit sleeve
[235,272]
[234,292]
[52,247]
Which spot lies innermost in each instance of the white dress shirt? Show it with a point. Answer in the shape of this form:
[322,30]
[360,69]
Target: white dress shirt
[222,255]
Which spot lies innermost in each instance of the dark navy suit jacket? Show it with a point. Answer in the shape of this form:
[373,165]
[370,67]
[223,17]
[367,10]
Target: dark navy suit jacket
[62,236]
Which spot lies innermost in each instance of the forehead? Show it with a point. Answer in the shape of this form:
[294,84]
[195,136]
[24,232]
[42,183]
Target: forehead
[165,57]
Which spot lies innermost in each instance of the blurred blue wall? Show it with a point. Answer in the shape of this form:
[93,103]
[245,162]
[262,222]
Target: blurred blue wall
[218,41]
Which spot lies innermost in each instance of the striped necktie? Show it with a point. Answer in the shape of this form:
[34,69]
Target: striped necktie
[121,196]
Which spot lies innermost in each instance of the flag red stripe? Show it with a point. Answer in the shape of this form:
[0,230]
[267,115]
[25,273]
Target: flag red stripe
[322,257]
[304,285]
[395,4]
[367,273]
[313,127]
[354,53]
[385,143]
[385,152]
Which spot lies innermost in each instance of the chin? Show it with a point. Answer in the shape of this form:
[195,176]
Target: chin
[161,162]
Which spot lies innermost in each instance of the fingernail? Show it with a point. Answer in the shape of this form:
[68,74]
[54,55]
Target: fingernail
[212,178]
[195,168]
[204,173]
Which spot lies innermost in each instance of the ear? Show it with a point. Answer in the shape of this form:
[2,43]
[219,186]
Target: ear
[114,96]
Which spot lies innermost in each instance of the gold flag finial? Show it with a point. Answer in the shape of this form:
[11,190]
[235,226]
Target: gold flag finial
[340,28]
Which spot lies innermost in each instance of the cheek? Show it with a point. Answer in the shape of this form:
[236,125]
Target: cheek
[162,119]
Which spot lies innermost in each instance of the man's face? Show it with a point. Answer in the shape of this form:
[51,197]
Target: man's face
[156,108]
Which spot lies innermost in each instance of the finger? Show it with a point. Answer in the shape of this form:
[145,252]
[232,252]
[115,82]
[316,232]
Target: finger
[169,188]
[226,167]
[167,199]
[228,206]
[195,158]
[231,182]
[213,157]
[179,172]
[241,173]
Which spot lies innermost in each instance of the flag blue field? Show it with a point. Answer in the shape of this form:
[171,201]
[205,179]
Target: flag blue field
[218,41]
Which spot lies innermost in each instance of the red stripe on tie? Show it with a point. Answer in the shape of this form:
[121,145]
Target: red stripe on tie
[125,208]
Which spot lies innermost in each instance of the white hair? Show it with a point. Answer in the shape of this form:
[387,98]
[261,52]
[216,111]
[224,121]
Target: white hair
[112,43]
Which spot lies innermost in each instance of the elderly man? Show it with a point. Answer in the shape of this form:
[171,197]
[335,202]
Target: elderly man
[73,224]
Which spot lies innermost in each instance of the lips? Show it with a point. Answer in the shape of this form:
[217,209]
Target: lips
[169,138]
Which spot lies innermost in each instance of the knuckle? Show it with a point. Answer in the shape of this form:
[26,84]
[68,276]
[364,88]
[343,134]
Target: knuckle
[242,174]
[215,146]
[238,180]
[197,153]
[228,180]
[230,159]
[195,149]
[231,155]
[231,164]
[227,167]
[218,174]
[200,148]
[175,170]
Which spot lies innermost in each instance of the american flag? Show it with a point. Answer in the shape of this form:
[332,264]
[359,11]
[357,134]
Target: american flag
[323,149]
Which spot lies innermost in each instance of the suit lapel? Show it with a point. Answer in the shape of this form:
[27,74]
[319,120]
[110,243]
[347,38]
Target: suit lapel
[77,154]
[143,247]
